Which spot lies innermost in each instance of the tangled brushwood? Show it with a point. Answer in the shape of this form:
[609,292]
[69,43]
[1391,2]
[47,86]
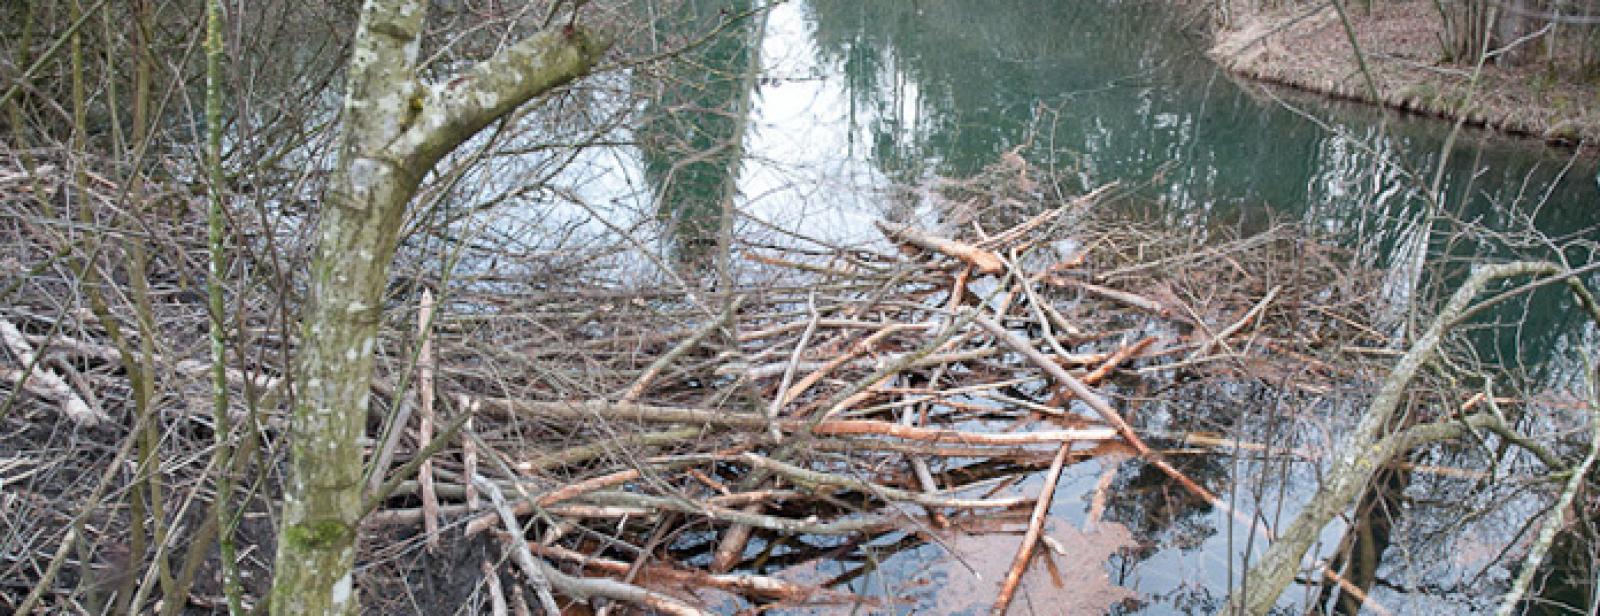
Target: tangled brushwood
[545,435]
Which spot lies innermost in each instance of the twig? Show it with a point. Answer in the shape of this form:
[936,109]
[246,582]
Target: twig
[1010,235]
[519,549]
[1105,411]
[1362,598]
[637,389]
[1137,301]
[469,452]
[1229,331]
[564,493]
[940,435]
[783,396]
[1558,515]
[497,597]
[753,585]
[1041,510]
[805,476]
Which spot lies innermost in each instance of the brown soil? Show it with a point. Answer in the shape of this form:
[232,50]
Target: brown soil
[1306,48]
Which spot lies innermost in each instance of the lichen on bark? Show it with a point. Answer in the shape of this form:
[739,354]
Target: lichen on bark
[388,146]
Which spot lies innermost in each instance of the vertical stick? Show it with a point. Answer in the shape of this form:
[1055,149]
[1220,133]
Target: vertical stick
[469,451]
[430,498]
[497,597]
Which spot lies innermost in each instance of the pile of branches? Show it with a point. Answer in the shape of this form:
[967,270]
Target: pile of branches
[841,396]
[592,441]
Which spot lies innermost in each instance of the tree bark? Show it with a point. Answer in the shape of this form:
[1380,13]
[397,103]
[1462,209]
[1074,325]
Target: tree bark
[396,128]
[1363,452]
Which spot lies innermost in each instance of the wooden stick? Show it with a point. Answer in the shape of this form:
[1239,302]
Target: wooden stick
[469,451]
[497,597]
[1362,598]
[1105,411]
[1252,315]
[44,381]
[618,411]
[523,557]
[753,585]
[425,419]
[1041,511]
[985,261]
[637,389]
[519,604]
[940,435]
[1009,235]
[565,493]
[822,372]
[1137,301]
[783,396]
[1093,378]
[804,476]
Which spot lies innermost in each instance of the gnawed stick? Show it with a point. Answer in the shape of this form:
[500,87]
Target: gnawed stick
[985,261]
[941,435]
[731,548]
[1041,510]
[827,368]
[783,396]
[425,419]
[1104,370]
[805,476]
[519,603]
[1362,598]
[469,451]
[1122,297]
[623,442]
[44,381]
[738,518]
[836,427]
[852,361]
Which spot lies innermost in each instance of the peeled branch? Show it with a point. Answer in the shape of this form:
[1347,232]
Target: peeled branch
[984,261]
[45,381]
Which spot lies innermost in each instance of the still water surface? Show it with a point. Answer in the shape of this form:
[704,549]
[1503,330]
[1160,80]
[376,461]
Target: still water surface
[831,104]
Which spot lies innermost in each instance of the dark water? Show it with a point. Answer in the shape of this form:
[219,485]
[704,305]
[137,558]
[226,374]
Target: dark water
[854,98]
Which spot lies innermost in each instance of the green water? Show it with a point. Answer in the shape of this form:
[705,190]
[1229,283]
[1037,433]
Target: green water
[854,98]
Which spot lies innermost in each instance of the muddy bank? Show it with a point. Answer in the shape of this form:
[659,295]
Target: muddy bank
[1306,47]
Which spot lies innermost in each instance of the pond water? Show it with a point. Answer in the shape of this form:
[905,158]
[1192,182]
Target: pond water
[831,104]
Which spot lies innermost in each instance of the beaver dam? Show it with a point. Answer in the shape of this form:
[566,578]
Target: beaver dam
[877,429]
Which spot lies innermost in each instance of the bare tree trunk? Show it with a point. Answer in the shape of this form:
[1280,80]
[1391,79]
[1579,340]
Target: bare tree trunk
[396,128]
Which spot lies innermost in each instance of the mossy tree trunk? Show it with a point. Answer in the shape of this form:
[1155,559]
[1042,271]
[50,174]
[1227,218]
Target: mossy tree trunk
[1363,451]
[396,129]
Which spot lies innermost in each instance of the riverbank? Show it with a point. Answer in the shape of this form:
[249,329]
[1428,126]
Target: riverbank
[1306,47]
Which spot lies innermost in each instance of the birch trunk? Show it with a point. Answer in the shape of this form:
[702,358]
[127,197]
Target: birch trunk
[396,128]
